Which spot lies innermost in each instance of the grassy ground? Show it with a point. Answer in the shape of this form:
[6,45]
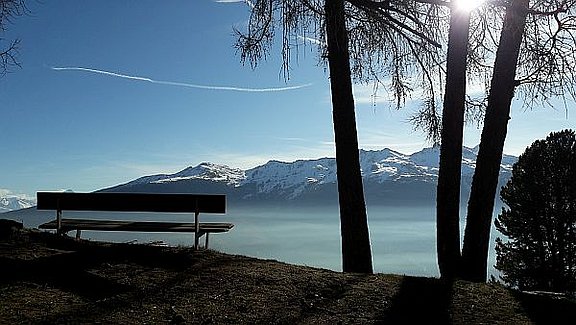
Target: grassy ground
[46,279]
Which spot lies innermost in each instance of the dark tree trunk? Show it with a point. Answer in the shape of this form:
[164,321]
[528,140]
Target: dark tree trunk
[448,191]
[356,251]
[485,180]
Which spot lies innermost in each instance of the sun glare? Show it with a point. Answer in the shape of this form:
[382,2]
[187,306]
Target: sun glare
[468,5]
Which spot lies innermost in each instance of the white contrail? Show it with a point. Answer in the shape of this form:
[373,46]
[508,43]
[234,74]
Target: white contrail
[312,40]
[248,2]
[101,72]
[179,84]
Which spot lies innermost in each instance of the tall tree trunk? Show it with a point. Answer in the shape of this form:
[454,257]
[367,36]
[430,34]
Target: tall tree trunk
[356,251]
[449,175]
[485,180]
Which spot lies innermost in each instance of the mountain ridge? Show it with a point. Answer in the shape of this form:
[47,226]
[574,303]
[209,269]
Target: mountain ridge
[389,177]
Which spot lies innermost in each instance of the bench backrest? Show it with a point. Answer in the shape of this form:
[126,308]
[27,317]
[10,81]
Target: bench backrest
[137,202]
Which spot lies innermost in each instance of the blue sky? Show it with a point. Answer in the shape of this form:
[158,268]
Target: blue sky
[80,130]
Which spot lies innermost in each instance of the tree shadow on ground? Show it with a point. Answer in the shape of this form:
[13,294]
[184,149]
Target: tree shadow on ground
[70,268]
[420,301]
[67,271]
[547,310]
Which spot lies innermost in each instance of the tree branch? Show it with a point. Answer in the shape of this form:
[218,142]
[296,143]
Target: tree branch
[8,58]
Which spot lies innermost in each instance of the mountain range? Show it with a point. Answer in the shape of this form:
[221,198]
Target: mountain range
[390,178]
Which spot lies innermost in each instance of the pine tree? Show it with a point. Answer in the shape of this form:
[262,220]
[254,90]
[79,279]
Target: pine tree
[540,218]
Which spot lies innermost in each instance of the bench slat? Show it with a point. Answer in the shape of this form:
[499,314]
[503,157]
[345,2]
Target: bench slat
[137,202]
[142,226]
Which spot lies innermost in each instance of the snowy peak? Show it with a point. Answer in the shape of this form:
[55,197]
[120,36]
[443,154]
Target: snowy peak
[296,176]
[427,157]
[204,171]
[376,162]
[9,201]
[389,165]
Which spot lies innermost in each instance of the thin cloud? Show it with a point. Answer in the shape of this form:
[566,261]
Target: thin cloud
[248,2]
[312,40]
[292,139]
[366,94]
[179,84]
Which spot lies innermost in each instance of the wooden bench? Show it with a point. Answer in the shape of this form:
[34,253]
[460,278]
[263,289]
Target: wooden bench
[134,202]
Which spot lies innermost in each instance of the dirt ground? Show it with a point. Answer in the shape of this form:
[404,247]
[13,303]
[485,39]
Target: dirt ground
[49,279]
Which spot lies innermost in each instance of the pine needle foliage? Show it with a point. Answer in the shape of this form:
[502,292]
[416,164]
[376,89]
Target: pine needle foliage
[540,218]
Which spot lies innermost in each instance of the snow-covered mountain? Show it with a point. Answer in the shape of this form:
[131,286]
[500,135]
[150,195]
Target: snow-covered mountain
[204,171]
[9,201]
[389,177]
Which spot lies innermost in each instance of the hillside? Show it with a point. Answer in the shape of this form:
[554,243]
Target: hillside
[46,279]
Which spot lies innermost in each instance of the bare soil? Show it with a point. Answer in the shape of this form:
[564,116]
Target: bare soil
[49,279]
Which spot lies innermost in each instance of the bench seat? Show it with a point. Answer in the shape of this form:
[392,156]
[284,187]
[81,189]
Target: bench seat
[142,226]
[205,228]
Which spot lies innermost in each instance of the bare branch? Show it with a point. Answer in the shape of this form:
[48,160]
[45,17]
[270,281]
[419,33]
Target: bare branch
[9,9]
[396,42]
[8,58]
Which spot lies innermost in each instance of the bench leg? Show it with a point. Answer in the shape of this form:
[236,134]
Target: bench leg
[59,223]
[197,233]
[78,233]
[206,243]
